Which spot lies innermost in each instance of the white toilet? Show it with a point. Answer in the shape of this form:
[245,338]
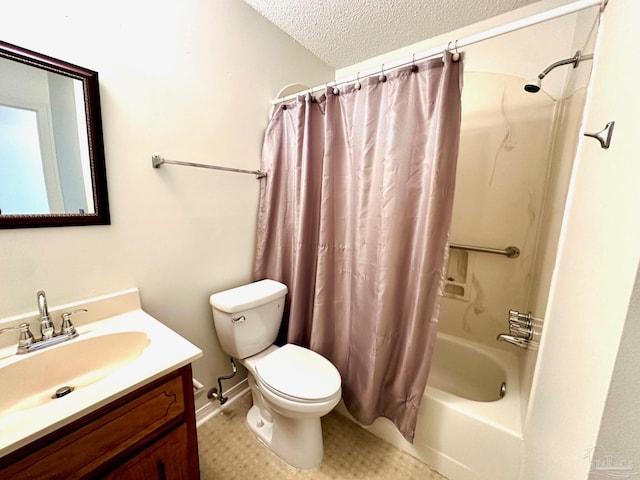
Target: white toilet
[292,387]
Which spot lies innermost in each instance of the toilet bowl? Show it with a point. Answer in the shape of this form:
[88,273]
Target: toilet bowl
[292,387]
[287,407]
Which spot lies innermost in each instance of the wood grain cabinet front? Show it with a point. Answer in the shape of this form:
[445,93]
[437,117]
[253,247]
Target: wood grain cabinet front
[148,434]
[162,460]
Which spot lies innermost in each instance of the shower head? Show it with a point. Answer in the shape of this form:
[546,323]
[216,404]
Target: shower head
[533,87]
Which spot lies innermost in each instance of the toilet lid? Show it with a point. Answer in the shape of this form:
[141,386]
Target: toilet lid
[299,372]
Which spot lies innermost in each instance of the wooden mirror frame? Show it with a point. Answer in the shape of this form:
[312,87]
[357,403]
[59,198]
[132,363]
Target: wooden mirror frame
[89,80]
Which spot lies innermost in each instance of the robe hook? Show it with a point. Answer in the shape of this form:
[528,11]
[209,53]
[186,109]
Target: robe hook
[603,136]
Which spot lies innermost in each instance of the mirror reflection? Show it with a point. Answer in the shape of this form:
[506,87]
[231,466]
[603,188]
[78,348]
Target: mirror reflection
[51,150]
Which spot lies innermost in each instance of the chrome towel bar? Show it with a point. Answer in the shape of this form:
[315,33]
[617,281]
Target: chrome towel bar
[509,252]
[157,160]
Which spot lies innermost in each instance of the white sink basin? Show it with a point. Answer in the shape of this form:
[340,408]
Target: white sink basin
[119,348]
[34,378]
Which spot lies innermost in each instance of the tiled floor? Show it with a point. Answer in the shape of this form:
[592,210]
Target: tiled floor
[228,450]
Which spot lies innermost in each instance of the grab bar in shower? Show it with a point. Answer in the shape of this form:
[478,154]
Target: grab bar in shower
[509,252]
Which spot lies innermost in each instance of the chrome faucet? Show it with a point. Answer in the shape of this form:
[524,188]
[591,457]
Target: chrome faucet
[520,329]
[28,343]
[46,326]
[514,340]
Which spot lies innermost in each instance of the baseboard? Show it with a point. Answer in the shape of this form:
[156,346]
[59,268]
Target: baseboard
[213,408]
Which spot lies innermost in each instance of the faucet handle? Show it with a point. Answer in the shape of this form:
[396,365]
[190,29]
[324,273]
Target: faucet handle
[67,327]
[26,337]
[21,327]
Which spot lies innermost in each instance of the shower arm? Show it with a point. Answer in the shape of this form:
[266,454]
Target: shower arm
[576,59]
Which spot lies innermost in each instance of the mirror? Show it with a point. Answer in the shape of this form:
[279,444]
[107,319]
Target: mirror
[52,165]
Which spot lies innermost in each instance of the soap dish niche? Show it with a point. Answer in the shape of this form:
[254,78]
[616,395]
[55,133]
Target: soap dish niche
[454,290]
[459,273]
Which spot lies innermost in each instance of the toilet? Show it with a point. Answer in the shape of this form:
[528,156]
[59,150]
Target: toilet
[292,386]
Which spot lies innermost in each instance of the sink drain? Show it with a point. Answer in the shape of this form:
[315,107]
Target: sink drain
[503,389]
[62,391]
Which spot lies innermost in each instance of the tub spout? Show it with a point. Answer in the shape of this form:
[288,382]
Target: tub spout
[512,339]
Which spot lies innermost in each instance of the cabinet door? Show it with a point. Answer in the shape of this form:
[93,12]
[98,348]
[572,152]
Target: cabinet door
[166,459]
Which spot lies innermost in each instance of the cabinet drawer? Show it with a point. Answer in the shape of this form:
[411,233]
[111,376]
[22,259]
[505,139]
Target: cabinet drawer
[109,435]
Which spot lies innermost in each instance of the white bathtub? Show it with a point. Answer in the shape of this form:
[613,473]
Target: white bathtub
[465,429]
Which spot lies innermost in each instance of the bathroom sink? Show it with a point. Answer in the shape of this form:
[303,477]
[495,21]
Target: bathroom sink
[34,378]
[119,348]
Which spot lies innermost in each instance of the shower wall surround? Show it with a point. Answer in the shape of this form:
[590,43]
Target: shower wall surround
[500,184]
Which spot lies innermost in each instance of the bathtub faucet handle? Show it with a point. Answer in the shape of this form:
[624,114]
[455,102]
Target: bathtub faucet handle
[515,313]
[520,318]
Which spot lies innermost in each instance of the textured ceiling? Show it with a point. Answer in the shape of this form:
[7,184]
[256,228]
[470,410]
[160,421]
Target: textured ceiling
[344,32]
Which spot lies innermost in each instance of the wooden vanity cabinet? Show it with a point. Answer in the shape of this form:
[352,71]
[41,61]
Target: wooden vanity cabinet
[145,435]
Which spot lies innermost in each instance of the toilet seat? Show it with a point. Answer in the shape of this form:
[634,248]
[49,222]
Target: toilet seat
[298,374]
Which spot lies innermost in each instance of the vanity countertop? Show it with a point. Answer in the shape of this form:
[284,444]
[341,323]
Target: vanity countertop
[137,349]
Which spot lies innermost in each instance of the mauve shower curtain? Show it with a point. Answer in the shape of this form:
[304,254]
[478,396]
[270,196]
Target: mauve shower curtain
[354,218]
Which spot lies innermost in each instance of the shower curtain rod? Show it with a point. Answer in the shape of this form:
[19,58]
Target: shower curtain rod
[464,42]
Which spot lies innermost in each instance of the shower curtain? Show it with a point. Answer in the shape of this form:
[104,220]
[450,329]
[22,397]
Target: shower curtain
[354,218]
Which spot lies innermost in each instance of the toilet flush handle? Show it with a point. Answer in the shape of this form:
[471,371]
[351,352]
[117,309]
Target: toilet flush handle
[239,319]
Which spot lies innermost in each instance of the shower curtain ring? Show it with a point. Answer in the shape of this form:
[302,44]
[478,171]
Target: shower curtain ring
[448,50]
[414,67]
[382,77]
[357,85]
[456,55]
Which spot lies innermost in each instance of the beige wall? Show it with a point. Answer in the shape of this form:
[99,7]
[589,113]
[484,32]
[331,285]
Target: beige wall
[191,80]
[619,433]
[593,283]
[567,126]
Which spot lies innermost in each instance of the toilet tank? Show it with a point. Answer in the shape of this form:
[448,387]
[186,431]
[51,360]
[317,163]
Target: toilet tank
[247,318]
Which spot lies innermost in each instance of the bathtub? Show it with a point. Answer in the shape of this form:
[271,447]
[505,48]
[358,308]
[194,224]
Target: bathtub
[469,426]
